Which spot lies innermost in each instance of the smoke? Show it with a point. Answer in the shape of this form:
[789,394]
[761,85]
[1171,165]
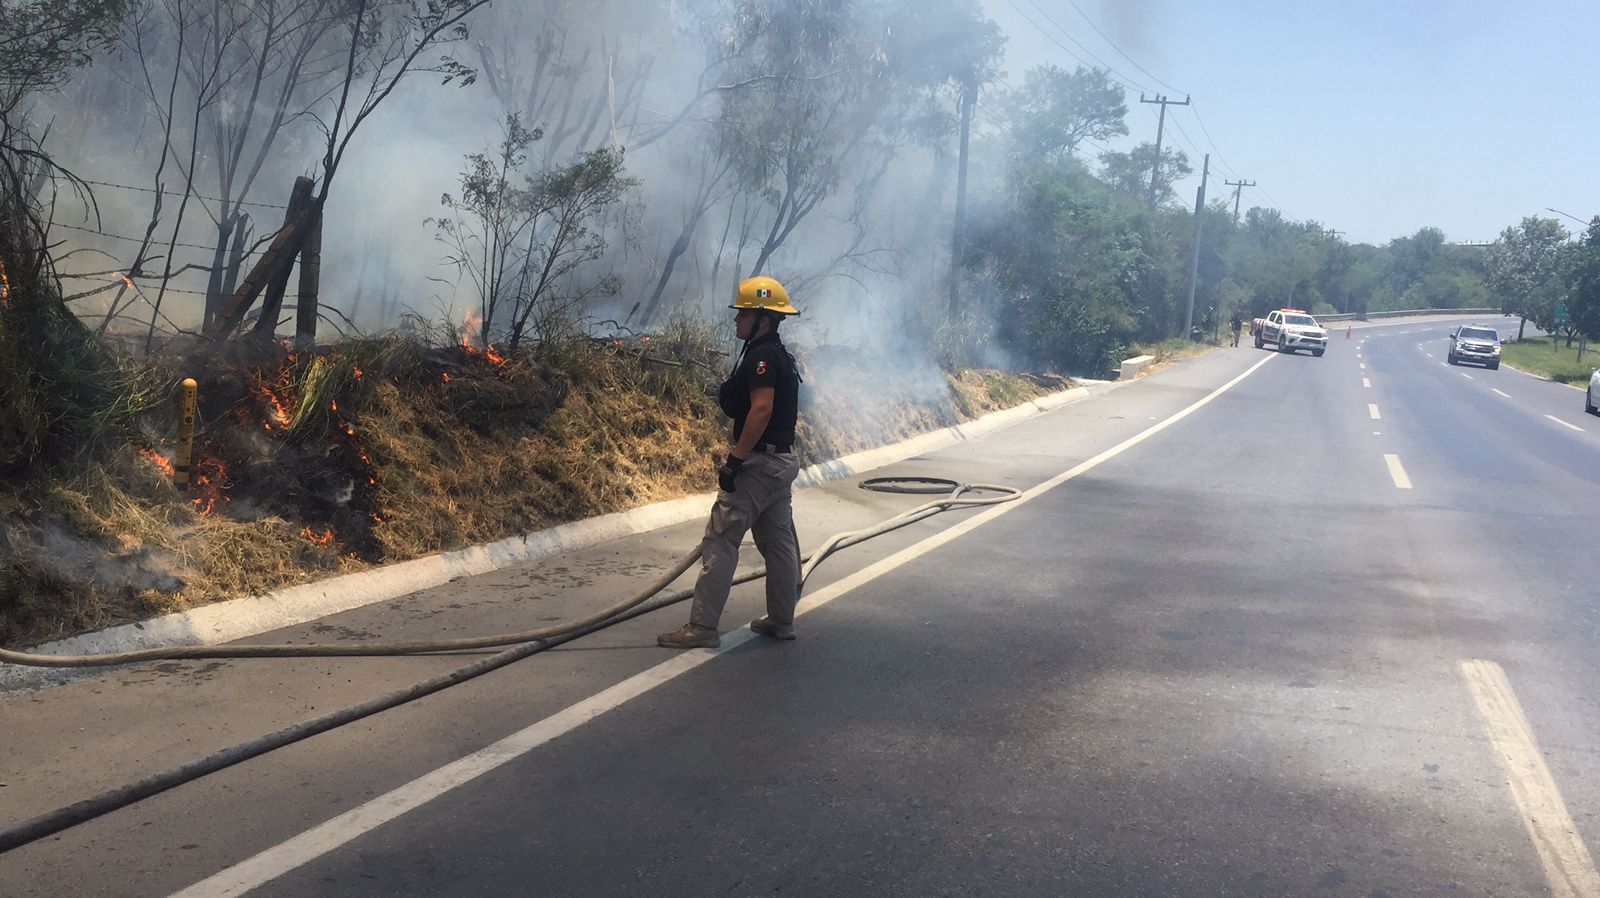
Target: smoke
[868,264]
[1127,22]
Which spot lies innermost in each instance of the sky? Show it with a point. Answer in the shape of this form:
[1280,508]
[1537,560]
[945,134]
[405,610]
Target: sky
[1373,118]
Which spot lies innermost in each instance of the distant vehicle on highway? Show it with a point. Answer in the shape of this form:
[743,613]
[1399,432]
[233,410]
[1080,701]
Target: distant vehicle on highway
[1289,330]
[1591,399]
[1475,343]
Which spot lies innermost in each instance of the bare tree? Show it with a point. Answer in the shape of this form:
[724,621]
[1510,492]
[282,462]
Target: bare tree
[380,43]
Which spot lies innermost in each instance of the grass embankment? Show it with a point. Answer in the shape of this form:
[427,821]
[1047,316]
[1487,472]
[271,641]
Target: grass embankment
[366,452]
[1169,352]
[1550,358]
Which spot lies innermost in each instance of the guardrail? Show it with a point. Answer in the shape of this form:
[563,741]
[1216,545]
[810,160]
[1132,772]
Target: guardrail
[1406,313]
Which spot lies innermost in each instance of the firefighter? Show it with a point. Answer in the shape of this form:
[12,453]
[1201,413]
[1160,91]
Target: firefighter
[756,480]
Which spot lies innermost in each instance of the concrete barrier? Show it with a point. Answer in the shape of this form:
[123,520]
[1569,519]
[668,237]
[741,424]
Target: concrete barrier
[1131,367]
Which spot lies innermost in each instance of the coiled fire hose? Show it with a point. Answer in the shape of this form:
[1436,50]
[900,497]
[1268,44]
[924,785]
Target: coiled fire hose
[523,644]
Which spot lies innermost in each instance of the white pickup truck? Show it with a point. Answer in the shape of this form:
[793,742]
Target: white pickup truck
[1288,330]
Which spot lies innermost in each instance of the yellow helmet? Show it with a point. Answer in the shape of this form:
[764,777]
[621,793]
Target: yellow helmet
[763,293]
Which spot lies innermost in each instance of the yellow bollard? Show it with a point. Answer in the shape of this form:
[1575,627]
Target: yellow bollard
[189,390]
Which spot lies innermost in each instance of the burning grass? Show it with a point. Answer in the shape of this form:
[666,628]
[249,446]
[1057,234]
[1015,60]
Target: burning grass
[372,451]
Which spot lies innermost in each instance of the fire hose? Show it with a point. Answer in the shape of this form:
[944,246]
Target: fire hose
[522,644]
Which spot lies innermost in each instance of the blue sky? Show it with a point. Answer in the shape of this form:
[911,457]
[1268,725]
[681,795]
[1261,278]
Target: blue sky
[1375,118]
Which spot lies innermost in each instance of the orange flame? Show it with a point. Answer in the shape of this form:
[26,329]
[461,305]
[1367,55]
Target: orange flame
[159,460]
[445,376]
[206,484]
[5,286]
[128,281]
[356,372]
[322,539]
[471,328]
[279,412]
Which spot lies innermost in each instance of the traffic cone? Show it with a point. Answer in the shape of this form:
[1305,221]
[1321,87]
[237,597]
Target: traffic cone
[1347,332]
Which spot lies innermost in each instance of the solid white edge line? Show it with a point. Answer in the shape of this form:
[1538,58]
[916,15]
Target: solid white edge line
[1372,410]
[1397,471]
[320,840]
[1497,390]
[1565,424]
[1568,866]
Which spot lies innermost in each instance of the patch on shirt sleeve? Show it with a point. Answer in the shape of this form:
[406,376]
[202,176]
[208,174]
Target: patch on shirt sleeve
[761,367]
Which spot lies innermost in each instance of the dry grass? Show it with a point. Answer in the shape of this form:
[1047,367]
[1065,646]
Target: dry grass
[388,450]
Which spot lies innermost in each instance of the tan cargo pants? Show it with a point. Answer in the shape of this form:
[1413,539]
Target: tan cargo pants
[763,504]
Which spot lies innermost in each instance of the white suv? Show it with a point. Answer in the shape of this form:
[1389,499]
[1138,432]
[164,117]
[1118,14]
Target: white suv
[1475,343]
[1591,399]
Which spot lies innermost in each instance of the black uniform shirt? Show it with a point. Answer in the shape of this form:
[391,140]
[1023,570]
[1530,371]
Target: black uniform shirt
[766,363]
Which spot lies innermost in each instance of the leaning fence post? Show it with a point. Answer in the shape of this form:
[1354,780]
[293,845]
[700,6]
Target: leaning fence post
[305,313]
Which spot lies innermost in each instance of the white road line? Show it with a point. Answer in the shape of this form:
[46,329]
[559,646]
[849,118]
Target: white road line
[1568,867]
[1565,424]
[1373,411]
[1397,472]
[1497,390]
[1363,364]
[1465,374]
[321,840]
[1366,382]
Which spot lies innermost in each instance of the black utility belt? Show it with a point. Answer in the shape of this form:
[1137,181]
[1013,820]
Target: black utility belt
[773,448]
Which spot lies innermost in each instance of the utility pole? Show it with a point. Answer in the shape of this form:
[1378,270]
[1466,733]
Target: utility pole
[969,97]
[1237,186]
[1194,260]
[1161,126]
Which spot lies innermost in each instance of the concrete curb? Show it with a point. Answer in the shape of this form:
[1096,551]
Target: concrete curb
[240,618]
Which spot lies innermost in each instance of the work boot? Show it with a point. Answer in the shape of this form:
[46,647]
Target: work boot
[766,626]
[690,636]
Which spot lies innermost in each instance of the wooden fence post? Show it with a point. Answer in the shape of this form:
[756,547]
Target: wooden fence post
[285,246]
[305,316]
[272,302]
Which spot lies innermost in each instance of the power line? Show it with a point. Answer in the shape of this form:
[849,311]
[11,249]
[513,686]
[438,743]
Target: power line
[1155,166]
[1064,48]
[1207,132]
[1103,64]
[1238,186]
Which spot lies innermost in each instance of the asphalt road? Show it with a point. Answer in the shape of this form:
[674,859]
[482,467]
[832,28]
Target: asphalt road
[1330,632]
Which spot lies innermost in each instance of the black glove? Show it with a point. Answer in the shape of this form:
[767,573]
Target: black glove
[725,474]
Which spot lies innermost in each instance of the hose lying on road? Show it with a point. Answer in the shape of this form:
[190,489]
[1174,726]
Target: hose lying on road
[921,485]
[525,644]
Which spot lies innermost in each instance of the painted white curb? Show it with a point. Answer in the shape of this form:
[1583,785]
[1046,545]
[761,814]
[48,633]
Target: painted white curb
[234,619]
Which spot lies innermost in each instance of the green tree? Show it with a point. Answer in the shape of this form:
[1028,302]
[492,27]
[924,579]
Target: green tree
[1055,110]
[1062,257]
[1584,282]
[1129,173]
[1523,268]
[59,386]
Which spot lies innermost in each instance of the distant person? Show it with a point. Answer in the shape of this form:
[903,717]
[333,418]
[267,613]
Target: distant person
[1235,324]
[756,481]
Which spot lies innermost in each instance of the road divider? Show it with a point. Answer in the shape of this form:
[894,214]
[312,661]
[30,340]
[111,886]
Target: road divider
[1373,411]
